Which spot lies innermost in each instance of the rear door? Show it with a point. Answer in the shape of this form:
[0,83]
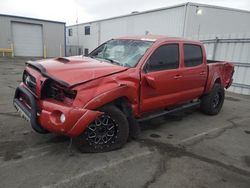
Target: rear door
[194,71]
[160,79]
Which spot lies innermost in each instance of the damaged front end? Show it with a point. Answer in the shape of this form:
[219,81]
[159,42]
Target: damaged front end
[48,105]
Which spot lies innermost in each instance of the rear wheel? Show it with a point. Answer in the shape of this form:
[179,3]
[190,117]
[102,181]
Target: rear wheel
[212,103]
[108,132]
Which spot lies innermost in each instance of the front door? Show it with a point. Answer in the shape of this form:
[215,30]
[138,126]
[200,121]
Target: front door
[161,78]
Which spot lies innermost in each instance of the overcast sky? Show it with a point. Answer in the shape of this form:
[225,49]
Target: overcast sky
[89,10]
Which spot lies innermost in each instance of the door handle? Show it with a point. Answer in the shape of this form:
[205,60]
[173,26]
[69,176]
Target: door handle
[202,73]
[177,76]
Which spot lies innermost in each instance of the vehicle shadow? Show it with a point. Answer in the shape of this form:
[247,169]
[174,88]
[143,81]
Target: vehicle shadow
[157,123]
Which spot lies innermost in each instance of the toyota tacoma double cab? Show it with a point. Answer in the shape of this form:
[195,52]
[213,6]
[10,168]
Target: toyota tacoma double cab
[99,99]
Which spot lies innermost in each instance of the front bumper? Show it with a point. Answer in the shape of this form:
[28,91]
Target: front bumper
[28,114]
[45,117]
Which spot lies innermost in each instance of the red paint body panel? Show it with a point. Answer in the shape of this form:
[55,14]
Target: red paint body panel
[79,69]
[98,83]
[222,71]
[77,119]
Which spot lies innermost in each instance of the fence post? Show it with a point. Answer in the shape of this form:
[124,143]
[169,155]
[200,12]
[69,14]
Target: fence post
[60,50]
[44,52]
[215,47]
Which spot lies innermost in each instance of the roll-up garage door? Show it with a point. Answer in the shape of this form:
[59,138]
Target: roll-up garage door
[27,39]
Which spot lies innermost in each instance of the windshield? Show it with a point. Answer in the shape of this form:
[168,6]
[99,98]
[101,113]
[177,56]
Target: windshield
[122,51]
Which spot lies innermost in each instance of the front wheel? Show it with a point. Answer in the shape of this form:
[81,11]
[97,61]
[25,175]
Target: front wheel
[108,132]
[211,103]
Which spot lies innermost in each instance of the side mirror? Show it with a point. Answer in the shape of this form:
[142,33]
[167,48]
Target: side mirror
[151,81]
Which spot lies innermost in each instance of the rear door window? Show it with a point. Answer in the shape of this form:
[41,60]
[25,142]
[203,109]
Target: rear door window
[192,55]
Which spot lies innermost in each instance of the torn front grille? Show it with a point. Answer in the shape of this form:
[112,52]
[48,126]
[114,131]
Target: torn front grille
[54,90]
[29,81]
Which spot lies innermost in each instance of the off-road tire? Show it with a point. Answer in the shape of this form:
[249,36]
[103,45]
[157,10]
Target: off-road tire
[212,103]
[101,129]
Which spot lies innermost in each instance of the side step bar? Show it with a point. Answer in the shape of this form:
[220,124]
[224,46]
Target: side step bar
[165,112]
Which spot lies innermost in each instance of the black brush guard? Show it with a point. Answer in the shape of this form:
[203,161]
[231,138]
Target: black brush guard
[30,115]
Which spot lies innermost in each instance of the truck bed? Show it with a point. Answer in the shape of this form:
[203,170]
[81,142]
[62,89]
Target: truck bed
[214,61]
[219,71]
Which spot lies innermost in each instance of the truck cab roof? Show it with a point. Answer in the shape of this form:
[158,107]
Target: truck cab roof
[158,38]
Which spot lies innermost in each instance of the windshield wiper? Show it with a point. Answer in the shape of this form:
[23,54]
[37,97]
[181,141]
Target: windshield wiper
[112,61]
[117,63]
[91,56]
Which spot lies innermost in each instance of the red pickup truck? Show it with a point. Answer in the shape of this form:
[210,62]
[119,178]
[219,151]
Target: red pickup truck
[100,98]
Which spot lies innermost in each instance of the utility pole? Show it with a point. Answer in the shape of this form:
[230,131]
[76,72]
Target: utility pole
[77,33]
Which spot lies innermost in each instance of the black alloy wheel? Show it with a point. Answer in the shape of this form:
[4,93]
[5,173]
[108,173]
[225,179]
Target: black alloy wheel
[102,131]
[212,102]
[106,133]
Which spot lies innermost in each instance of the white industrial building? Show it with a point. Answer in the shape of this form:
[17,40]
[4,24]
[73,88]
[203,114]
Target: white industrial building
[224,31]
[22,36]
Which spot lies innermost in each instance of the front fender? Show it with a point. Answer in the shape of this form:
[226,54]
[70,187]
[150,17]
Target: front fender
[109,96]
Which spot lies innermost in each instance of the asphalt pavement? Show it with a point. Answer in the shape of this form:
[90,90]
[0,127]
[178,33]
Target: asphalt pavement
[187,149]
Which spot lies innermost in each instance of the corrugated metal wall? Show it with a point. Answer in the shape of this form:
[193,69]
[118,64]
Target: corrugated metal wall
[53,34]
[215,20]
[226,35]
[168,22]
[165,22]
[80,40]
[234,48]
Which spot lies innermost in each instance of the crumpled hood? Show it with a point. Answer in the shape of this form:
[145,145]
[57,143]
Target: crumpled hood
[77,69]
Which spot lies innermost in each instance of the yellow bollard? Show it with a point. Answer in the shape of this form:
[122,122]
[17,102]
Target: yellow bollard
[12,50]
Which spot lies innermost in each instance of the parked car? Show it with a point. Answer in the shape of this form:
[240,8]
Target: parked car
[100,98]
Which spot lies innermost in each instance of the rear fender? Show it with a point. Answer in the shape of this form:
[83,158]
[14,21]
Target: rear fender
[222,72]
[211,80]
